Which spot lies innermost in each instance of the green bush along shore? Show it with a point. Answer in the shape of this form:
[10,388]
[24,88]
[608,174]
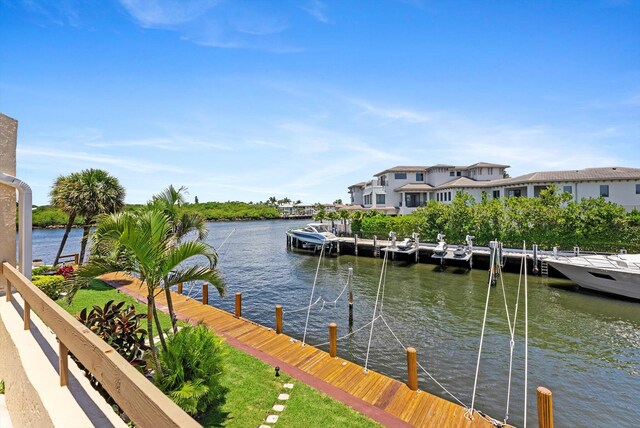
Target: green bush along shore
[549,220]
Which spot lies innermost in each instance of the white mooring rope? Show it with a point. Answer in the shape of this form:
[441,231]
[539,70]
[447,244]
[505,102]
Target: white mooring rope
[375,308]
[484,323]
[315,279]
[526,334]
[193,284]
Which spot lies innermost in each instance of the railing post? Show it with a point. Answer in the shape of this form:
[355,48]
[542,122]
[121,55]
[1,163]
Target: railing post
[76,259]
[278,319]
[179,288]
[63,365]
[27,315]
[545,408]
[238,305]
[412,369]
[205,293]
[333,339]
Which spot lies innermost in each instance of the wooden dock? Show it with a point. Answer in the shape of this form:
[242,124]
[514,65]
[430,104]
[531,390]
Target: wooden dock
[385,400]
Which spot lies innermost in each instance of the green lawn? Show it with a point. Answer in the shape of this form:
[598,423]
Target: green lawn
[253,386]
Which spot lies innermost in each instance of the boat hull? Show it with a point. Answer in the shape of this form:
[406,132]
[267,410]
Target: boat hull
[315,239]
[619,282]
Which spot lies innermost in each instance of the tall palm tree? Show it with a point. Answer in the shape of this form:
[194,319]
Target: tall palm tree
[62,196]
[95,192]
[143,245]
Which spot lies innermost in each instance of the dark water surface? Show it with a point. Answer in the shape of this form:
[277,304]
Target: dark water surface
[585,348]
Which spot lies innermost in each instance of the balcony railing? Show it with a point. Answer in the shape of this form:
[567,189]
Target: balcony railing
[143,403]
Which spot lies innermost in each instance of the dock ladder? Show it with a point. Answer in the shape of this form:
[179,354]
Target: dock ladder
[544,268]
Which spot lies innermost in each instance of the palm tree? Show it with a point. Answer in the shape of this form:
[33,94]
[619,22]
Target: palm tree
[62,196]
[169,201]
[344,216]
[143,245]
[87,193]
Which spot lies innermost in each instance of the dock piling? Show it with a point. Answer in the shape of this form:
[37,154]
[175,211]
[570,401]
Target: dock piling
[278,319]
[412,369]
[205,293]
[179,288]
[238,305]
[355,242]
[333,339]
[545,408]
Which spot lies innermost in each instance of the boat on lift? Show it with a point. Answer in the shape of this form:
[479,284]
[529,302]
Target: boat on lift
[314,234]
[617,274]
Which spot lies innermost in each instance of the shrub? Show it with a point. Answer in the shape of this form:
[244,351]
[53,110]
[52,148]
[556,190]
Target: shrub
[66,271]
[192,367]
[51,285]
[121,329]
[1,387]
[41,270]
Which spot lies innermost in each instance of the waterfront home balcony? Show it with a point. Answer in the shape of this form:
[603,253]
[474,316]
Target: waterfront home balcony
[45,387]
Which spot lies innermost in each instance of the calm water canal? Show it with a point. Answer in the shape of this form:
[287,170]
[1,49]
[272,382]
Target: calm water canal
[584,347]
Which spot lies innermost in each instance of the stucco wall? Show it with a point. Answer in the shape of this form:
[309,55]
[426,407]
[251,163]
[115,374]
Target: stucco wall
[8,138]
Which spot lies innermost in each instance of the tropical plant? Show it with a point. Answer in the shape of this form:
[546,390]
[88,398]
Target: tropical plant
[120,328]
[51,285]
[320,213]
[143,244]
[66,271]
[97,193]
[182,224]
[88,193]
[191,370]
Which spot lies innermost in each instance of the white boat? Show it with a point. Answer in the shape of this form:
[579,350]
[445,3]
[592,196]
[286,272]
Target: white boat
[314,233]
[617,274]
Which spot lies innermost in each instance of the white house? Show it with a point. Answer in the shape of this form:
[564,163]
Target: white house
[407,187]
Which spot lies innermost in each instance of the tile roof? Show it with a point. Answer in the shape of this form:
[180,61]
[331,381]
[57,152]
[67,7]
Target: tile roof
[415,187]
[587,174]
[403,169]
[467,182]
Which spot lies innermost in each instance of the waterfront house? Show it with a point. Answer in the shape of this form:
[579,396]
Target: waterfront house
[401,189]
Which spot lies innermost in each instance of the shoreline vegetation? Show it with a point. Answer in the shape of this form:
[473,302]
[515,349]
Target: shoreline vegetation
[49,217]
[549,220]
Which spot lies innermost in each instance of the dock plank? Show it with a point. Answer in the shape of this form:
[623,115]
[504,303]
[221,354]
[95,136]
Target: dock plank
[389,396]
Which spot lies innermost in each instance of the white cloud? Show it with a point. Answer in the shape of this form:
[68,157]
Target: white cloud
[167,13]
[317,9]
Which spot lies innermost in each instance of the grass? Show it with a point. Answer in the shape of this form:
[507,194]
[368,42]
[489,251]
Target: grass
[253,386]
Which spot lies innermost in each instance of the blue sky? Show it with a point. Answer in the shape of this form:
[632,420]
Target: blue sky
[242,100]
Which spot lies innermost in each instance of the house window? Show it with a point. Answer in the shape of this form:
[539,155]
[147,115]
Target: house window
[449,195]
[516,192]
[382,180]
[367,199]
[490,171]
[604,190]
[380,199]
[567,189]
[452,174]
[496,194]
[637,189]
[459,173]
[419,176]
[400,175]
[412,200]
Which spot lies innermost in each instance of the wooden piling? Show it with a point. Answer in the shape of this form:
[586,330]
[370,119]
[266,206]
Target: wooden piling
[412,369]
[179,288]
[545,408]
[417,242]
[238,305]
[205,293]
[27,315]
[375,246]
[278,319]
[333,339]
[63,364]
[355,243]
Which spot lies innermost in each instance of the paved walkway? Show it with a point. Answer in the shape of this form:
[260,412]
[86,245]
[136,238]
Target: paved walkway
[379,397]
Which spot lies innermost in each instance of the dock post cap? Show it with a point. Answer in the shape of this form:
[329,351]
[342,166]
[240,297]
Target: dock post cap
[543,390]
